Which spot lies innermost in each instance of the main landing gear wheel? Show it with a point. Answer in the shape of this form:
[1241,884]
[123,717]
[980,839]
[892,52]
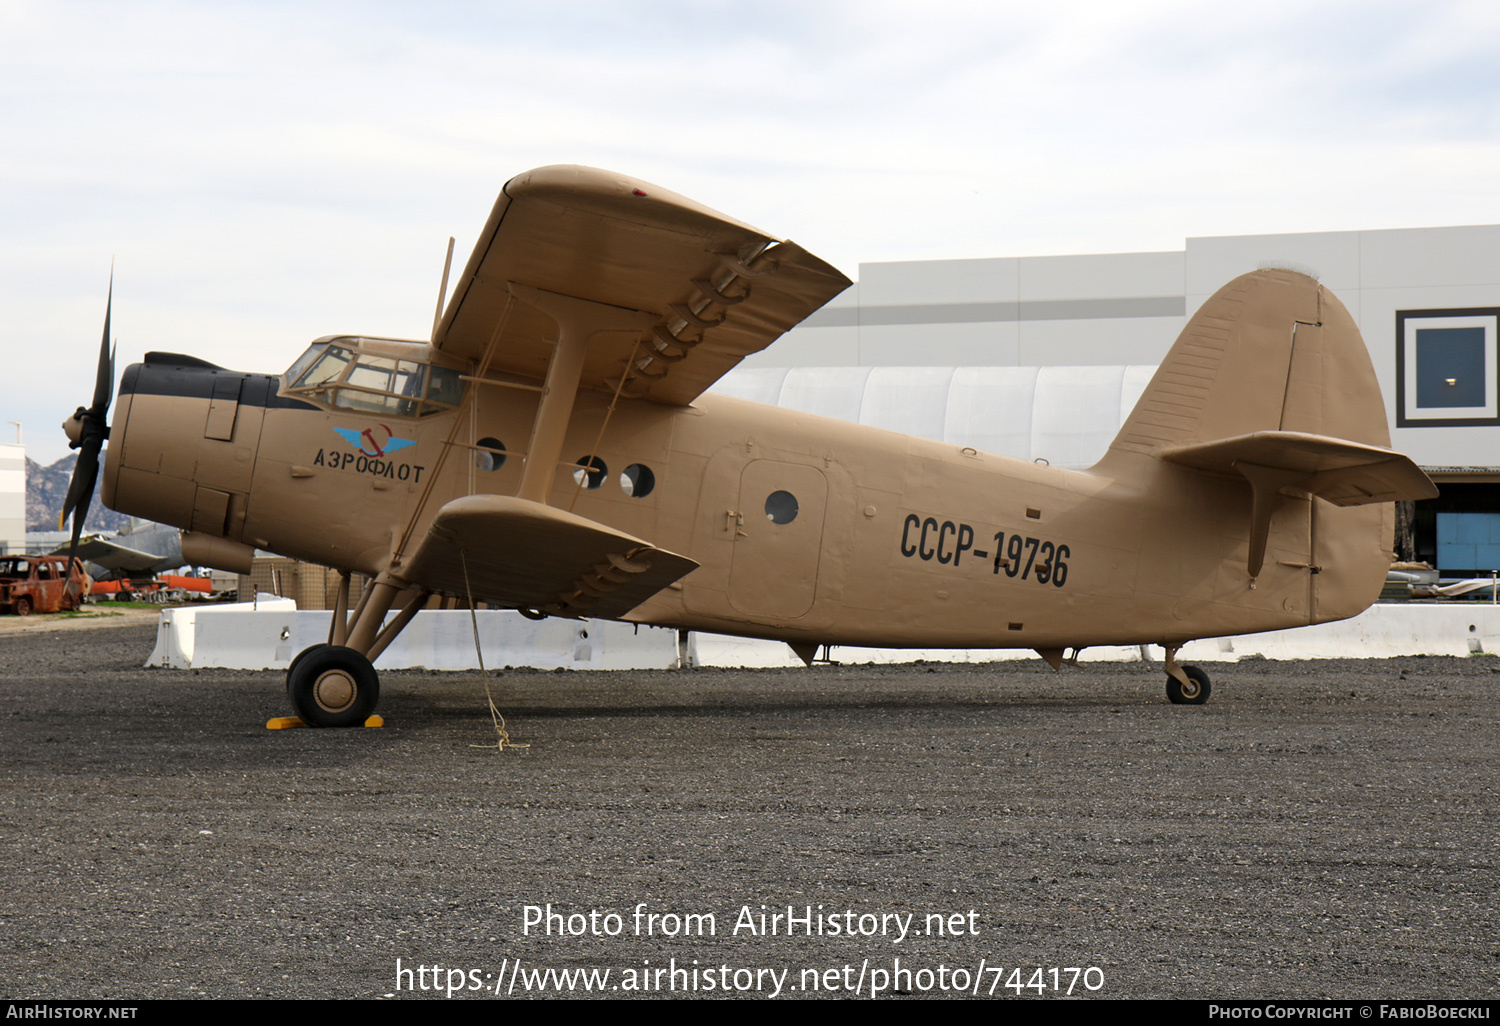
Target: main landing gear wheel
[1196,691]
[297,659]
[332,686]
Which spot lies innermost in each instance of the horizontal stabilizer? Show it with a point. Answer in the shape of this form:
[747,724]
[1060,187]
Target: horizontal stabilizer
[1343,473]
[1286,462]
[526,555]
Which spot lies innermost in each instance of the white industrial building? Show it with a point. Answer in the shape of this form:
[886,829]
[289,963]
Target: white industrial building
[1043,357]
[12,498]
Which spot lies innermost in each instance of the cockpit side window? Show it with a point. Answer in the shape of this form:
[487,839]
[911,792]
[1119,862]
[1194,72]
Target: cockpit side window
[348,378]
[304,361]
[327,368]
[446,388]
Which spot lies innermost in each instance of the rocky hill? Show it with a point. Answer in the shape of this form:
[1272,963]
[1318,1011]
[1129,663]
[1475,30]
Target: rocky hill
[47,487]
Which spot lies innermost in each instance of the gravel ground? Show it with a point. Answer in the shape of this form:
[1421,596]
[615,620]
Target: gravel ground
[1319,829]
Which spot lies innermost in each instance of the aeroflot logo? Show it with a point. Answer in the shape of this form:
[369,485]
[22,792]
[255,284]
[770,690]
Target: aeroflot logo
[369,442]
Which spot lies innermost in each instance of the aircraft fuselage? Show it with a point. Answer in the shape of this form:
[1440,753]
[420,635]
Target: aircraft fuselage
[806,529]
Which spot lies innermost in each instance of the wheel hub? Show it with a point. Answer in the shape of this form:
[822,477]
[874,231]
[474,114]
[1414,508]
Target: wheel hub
[335,691]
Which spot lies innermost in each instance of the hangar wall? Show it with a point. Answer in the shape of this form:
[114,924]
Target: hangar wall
[1427,301]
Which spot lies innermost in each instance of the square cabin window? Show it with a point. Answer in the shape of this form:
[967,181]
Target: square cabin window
[1447,368]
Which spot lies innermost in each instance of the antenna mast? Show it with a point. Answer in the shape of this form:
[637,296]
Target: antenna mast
[437,317]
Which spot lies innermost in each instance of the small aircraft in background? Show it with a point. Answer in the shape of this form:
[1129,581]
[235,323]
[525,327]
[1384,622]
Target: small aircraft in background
[551,449]
[136,554]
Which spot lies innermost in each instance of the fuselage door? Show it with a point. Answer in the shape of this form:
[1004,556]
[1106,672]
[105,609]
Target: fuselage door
[778,539]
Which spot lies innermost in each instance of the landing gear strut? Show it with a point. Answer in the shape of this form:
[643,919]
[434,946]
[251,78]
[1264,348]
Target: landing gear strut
[335,685]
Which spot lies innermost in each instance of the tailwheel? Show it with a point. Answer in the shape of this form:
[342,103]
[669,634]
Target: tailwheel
[332,686]
[1194,692]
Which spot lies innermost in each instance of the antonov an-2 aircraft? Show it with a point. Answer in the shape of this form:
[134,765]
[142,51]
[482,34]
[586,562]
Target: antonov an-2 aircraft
[551,449]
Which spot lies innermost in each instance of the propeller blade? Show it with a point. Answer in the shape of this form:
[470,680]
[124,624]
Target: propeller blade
[92,428]
[104,379]
[80,493]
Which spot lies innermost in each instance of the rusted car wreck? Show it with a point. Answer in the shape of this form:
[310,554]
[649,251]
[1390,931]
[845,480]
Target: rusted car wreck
[41,584]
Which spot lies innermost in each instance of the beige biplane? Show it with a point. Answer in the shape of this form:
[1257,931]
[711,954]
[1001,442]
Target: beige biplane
[552,449]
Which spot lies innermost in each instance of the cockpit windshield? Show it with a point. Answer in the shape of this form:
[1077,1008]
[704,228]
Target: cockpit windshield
[368,375]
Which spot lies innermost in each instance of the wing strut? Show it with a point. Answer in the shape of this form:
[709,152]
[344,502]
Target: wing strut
[466,411]
[578,322]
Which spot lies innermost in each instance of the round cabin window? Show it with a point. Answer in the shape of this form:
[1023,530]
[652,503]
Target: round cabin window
[594,476]
[490,455]
[781,507]
[637,480]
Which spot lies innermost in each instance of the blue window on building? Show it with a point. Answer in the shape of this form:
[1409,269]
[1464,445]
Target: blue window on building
[1448,367]
[1468,542]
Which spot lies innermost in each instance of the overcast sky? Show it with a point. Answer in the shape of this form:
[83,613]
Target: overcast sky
[264,173]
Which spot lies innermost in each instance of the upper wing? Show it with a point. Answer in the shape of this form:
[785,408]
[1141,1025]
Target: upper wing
[719,288]
[526,555]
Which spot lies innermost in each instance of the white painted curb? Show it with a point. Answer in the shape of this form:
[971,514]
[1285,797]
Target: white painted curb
[268,634]
[239,637]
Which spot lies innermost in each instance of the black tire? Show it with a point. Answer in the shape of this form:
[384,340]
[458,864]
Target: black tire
[1195,695]
[332,686]
[297,659]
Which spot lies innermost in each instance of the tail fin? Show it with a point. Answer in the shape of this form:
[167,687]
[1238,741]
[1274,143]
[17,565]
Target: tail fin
[1271,380]
[1270,351]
